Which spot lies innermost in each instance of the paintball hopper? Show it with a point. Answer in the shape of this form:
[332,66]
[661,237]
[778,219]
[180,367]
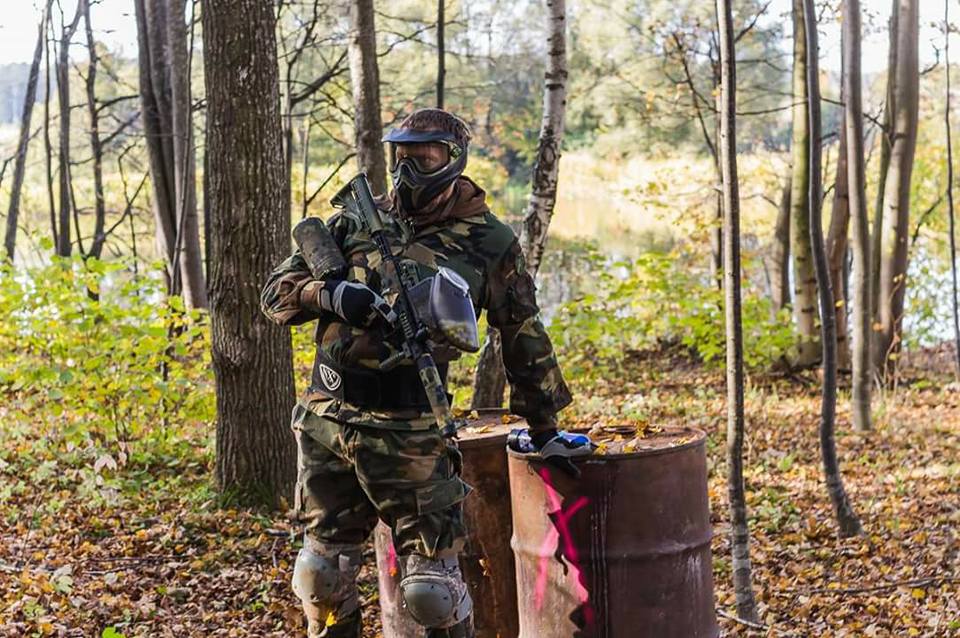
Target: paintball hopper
[442,302]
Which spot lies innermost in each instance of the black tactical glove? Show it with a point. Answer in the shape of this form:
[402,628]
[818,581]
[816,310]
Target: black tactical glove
[558,450]
[353,302]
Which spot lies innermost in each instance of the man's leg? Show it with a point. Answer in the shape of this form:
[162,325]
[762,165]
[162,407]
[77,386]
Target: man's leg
[413,479]
[338,518]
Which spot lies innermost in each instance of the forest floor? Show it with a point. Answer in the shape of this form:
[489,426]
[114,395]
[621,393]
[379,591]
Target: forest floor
[105,543]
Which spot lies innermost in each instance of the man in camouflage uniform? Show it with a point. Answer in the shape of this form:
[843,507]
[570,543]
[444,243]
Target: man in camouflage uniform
[369,447]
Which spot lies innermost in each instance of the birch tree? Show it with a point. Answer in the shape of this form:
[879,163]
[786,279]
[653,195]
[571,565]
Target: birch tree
[896,204]
[739,530]
[490,380]
[837,249]
[780,268]
[805,282]
[856,188]
[886,143]
[250,232]
[846,518]
[20,163]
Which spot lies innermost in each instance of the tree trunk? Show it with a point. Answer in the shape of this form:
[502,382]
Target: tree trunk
[739,530]
[846,518]
[188,268]
[804,278]
[896,207]
[780,275]
[96,147]
[441,52]
[546,168]
[20,163]
[171,156]
[837,249]
[886,143]
[250,233]
[47,145]
[862,304]
[64,246]
[490,382]
[950,211]
[365,79]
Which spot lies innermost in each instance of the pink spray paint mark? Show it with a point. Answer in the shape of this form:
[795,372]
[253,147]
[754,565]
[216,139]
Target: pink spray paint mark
[392,560]
[560,536]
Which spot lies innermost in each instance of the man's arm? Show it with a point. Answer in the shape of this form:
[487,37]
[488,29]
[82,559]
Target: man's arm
[282,298]
[538,390]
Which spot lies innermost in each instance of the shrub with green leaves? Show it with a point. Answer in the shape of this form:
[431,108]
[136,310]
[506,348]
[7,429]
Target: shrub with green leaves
[659,299]
[101,354]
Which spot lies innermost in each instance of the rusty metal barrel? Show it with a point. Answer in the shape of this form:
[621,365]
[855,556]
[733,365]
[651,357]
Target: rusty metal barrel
[487,560]
[622,552]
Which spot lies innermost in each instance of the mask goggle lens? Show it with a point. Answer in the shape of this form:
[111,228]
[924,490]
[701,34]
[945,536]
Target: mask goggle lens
[425,165]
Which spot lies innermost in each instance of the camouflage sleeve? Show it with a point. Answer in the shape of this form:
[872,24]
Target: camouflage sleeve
[280,299]
[538,390]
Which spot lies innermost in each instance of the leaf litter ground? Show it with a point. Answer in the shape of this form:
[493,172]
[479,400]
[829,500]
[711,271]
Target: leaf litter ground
[107,542]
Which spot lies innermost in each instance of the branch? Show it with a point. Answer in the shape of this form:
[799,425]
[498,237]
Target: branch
[328,75]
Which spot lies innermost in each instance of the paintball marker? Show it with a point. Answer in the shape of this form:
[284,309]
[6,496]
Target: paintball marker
[423,309]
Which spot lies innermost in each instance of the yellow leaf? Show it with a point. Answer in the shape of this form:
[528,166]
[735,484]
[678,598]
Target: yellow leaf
[918,593]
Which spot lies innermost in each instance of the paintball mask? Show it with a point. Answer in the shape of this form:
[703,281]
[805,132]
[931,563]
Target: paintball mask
[416,184]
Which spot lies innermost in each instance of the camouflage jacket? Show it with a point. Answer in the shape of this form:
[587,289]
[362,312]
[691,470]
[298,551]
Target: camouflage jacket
[480,248]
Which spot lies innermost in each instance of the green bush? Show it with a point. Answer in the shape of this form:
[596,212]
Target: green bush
[658,299]
[112,368]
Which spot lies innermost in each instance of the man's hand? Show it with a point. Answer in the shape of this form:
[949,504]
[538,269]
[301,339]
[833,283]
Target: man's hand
[355,303]
[557,450]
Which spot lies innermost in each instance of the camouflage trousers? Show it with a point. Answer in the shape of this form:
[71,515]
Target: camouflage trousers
[351,475]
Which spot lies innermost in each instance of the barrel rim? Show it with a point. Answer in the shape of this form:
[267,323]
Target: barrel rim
[492,438]
[699,440]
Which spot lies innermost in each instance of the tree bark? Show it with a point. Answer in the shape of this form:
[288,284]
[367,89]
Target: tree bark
[64,246]
[441,52]
[166,113]
[365,80]
[837,249]
[250,233]
[490,380]
[187,257]
[846,518]
[47,145]
[546,168]
[96,147]
[886,143]
[896,207]
[950,211]
[805,282]
[862,293]
[739,530]
[780,275]
[20,163]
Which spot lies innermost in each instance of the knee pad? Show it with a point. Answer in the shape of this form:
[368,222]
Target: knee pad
[434,592]
[325,581]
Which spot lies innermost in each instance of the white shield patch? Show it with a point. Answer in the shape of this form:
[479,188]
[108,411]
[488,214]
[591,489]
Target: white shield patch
[330,377]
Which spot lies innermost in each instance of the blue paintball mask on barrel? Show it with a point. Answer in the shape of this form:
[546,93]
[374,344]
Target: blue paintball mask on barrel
[414,184]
